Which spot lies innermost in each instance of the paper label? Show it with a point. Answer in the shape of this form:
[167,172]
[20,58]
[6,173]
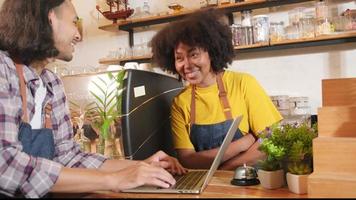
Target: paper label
[139,91]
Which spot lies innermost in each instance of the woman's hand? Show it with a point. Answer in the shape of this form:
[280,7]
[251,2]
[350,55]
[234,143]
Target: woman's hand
[167,162]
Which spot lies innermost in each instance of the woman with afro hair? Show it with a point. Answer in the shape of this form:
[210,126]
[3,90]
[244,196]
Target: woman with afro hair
[199,48]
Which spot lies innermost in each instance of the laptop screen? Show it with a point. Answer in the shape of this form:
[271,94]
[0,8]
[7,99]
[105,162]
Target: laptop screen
[227,140]
[146,106]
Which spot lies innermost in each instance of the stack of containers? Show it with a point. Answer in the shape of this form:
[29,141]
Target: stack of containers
[295,110]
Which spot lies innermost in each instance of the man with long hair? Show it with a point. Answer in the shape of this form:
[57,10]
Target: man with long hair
[37,152]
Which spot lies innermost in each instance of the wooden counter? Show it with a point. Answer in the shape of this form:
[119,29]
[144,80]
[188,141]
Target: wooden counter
[219,187]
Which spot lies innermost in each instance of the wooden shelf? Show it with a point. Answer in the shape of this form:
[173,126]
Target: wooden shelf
[116,61]
[129,24]
[335,38]
[322,40]
[336,35]
[257,45]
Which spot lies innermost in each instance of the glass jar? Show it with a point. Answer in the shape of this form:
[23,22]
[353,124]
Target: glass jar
[292,31]
[260,28]
[295,15]
[323,27]
[241,35]
[340,23]
[321,10]
[276,31]
[350,19]
[307,27]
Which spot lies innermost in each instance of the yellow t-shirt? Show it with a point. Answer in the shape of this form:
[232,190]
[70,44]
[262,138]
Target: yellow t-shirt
[246,97]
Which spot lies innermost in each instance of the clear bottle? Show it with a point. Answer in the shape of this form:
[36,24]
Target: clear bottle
[235,35]
[246,18]
[146,8]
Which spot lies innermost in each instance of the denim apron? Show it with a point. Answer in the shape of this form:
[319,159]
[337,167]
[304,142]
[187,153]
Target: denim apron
[205,137]
[35,142]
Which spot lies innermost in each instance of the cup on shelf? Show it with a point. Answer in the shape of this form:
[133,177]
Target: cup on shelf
[113,54]
[128,53]
[138,50]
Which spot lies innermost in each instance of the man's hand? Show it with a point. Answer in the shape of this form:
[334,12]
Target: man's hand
[167,162]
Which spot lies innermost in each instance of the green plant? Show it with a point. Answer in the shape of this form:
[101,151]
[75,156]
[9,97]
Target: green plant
[119,88]
[299,156]
[107,91]
[288,147]
[273,146]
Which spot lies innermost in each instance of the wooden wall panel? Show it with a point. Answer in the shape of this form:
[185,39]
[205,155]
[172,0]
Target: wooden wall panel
[339,92]
[337,121]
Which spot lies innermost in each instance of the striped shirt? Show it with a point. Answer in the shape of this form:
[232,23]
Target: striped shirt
[20,172]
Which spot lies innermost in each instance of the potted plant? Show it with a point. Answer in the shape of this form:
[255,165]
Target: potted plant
[270,169]
[299,161]
[107,90]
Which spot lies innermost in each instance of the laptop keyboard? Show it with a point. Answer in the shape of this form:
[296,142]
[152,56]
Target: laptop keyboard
[189,180]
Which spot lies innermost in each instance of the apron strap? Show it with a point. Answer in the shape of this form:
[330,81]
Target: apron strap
[48,108]
[222,97]
[192,107]
[48,121]
[19,69]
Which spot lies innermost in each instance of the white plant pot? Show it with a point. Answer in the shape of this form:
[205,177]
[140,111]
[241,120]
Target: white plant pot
[297,183]
[271,179]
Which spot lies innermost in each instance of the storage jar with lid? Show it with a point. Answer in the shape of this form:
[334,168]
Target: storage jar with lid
[307,26]
[260,28]
[276,31]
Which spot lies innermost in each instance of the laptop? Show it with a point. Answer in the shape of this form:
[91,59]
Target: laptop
[195,181]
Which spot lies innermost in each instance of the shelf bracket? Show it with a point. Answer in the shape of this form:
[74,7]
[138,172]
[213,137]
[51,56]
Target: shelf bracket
[131,37]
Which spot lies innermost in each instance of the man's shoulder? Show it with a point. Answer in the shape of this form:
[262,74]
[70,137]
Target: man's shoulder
[4,58]
[51,77]
[3,53]
[7,67]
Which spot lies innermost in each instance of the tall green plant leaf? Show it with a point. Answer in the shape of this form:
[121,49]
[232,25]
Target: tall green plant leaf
[107,102]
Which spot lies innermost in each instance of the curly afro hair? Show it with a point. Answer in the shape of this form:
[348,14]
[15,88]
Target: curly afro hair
[204,29]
